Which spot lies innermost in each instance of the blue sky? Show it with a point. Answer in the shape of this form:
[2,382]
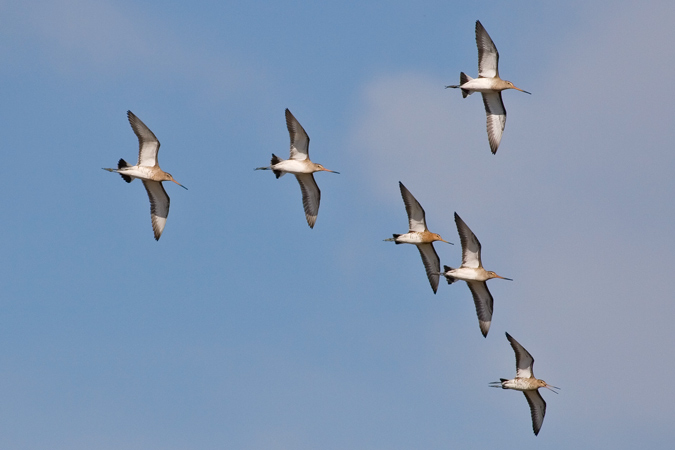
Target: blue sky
[242,327]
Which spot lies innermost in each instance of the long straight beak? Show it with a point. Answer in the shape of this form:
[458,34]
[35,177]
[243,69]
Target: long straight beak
[332,171]
[504,278]
[443,240]
[519,89]
[180,184]
[548,386]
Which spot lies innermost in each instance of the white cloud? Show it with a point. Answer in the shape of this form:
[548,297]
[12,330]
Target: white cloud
[119,40]
[576,205]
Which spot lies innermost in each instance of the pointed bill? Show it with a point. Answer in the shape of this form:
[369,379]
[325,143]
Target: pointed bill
[484,303]
[537,409]
[299,138]
[159,206]
[488,56]
[147,142]
[311,196]
[432,264]
[524,361]
[416,220]
[470,245]
[496,118]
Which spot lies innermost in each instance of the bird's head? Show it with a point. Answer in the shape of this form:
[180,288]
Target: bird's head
[320,168]
[169,177]
[494,275]
[543,384]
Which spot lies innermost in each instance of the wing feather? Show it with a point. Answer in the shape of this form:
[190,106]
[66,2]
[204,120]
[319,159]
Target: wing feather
[416,217]
[148,144]
[537,409]
[299,138]
[311,196]
[484,302]
[159,206]
[432,264]
[496,118]
[524,361]
[488,56]
[470,245]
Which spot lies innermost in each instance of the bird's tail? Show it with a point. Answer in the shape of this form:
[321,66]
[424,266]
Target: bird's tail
[120,165]
[393,239]
[450,279]
[499,384]
[275,160]
[463,78]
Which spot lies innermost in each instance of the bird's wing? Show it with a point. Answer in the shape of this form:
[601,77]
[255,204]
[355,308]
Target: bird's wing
[483,301]
[311,196]
[496,118]
[470,245]
[488,56]
[148,145]
[432,264]
[416,221]
[159,205]
[537,409]
[524,361]
[299,138]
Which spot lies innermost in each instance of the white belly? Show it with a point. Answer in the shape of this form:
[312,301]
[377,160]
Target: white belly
[519,384]
[466,274]
[480,85]
[142,172]
[410,238]
[293,166]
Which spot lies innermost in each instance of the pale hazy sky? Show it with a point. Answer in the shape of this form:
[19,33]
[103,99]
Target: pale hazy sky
[242,328]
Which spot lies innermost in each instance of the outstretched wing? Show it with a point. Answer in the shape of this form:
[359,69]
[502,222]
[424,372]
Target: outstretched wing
[416,220]
[311,196]
[299,138]
[496,118]
[432,264]
[470,245]
[524,361]
[488,56]
[484,302]
[159,205]
[148,145]
[537,409]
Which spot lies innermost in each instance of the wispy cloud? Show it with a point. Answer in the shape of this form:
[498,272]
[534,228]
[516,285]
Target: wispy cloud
[572,206]
[402,131]
[118,40]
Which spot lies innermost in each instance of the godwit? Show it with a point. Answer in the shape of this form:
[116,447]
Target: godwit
[473,273]
[526,382]
[299,165]
[489,84]
[147,170]
[420,236]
